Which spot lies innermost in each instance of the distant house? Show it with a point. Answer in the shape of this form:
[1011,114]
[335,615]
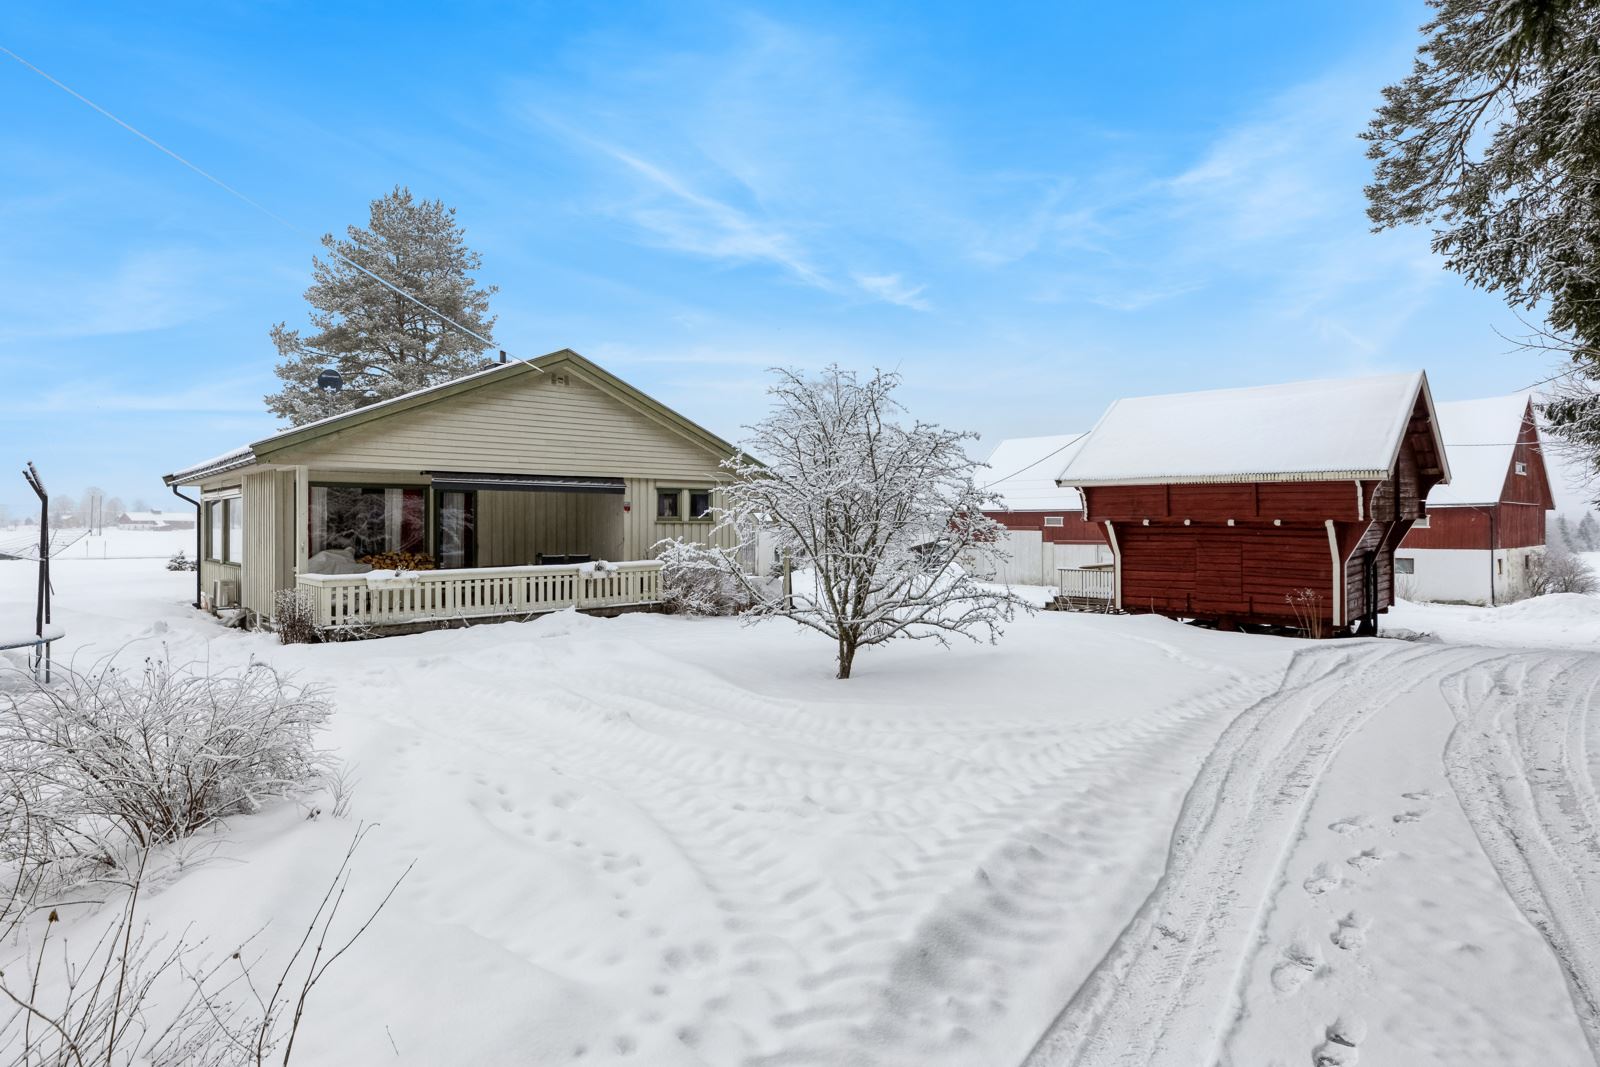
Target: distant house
[1275,505]
[1484,530]
[526,487]
[156,520]
[1045,527]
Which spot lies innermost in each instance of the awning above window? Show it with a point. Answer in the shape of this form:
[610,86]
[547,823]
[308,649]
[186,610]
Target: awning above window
[459,481]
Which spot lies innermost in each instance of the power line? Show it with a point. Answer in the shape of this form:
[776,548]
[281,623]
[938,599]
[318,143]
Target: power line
[231,191]
[1041,459]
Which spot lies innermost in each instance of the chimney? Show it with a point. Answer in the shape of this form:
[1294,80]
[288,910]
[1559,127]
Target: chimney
[502,355]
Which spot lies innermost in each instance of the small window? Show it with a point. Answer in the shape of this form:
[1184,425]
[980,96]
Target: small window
[1055,520]
[1499,566]
[699,503]
[1522,468]
[669,504]
[1405,565]
[1423,521]
[234,549]
[216,528]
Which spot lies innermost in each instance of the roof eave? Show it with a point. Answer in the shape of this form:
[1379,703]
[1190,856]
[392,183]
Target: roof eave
[1229,479]
[195,475]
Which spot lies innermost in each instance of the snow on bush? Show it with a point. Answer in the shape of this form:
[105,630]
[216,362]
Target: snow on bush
[107,760]
[887,515]
[294,616]
[1557,570]
[180,561]
[700,580]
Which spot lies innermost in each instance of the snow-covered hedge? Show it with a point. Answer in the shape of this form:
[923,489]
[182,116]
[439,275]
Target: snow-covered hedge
[109,760]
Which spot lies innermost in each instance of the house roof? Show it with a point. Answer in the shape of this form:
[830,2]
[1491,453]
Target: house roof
[1480,437]
[262,451]
[1023,472]
[1329,430]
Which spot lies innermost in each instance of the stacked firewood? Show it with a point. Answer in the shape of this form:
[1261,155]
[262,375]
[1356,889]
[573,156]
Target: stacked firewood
[401,561]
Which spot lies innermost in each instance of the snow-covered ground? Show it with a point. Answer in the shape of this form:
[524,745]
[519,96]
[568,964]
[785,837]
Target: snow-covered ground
[654,840]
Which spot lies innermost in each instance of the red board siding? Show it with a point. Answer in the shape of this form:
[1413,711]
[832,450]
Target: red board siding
[1072,531]
[1513,526]
[1289,501]
[1242,572]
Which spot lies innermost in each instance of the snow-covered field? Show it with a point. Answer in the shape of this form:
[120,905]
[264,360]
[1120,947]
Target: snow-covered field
[654,840]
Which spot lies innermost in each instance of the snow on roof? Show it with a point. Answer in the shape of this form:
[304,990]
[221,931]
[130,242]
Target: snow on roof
[1479,437]
[239,457]
[1317,430]
[1023,471]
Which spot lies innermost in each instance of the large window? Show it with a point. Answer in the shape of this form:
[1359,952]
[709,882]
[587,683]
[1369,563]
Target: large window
[225,530]
[368,520]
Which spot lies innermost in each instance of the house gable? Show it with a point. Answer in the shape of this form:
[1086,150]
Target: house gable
[1532,486]
[571,419]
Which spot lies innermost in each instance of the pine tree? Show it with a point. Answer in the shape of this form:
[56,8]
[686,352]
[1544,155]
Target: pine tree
[1491,140]
[1562,534]
[382,344]
[1588,533]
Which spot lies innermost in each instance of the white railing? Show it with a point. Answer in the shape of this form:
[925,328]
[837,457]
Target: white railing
[390,598]
[1087,583]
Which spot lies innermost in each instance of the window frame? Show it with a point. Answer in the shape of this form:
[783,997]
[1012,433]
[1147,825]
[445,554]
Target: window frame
[1410,565]
[1422,522]
[664,491]
[689,512]
[1055,522]
[225,505]
[1520,467]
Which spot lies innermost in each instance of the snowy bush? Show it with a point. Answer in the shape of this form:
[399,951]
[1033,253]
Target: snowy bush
[295,617]
[107,760]
[117,1002]
[885,513]
[181,562]
[699,580]
[1307,607]
[1558,571]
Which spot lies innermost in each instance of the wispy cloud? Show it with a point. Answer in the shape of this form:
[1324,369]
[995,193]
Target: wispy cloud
[149,290]
[893,289]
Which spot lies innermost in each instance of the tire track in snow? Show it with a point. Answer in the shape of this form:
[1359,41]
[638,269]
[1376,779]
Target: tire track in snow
[1518,762]
[1164,993]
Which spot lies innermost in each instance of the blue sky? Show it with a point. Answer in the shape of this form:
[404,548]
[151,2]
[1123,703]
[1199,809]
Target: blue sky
[1028,210]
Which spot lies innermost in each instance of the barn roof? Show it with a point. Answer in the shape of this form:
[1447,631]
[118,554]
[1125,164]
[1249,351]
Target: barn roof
[1480,437]
[1023,472]
[1329,430]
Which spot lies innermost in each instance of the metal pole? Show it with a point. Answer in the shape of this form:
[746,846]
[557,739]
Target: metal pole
[42,613]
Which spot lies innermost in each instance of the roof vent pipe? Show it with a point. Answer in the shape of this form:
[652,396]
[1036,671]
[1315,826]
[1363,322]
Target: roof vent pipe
[502,355]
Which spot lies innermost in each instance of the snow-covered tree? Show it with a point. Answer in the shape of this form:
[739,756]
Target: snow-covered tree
[381,343]
[1588,533]
[1558,531]
[1491,141]
[879,516]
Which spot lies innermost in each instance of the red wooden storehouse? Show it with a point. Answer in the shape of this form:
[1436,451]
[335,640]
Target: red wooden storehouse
[1278,505]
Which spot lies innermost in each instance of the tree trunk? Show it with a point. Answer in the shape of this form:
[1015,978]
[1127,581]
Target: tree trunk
[847,655]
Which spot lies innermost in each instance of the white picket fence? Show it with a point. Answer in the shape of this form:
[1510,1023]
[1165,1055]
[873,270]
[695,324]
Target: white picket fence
[389,598]
[1087,583]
